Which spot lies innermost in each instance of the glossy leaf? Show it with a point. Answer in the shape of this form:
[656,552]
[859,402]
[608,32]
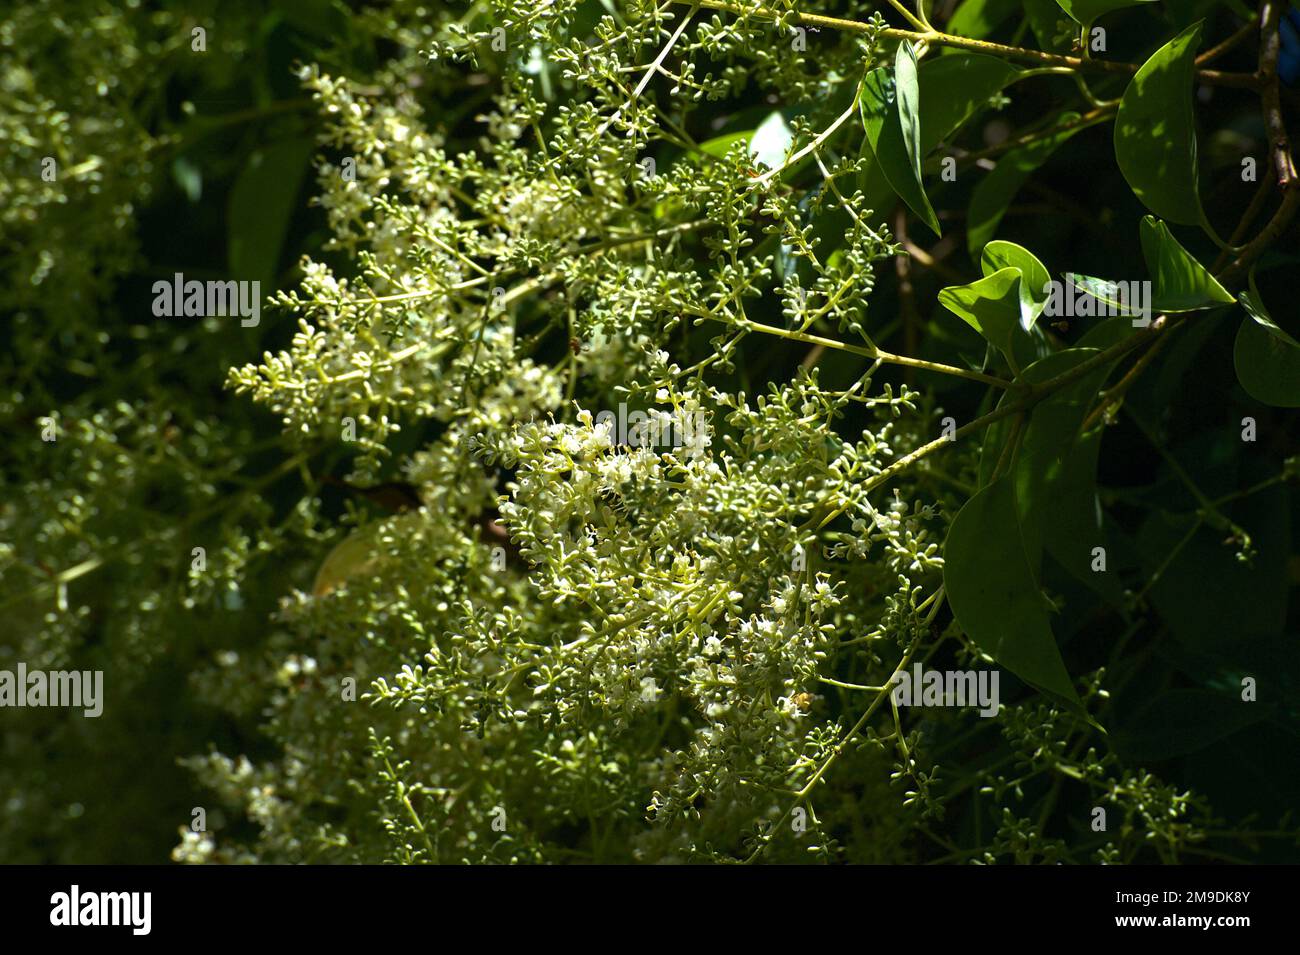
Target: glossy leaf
[719,146]
[1034,277]
[991,306]
[889,144]
[908,100]
[1155,135]
[993,593]
[978,18]
[953,89]
[1267,359]
[1179,282]
[1105,291]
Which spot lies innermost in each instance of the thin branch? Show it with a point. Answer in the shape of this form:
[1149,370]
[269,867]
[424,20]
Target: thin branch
[650,72]
[1213,53]
[1270,50]
[1213,77]
[863,350]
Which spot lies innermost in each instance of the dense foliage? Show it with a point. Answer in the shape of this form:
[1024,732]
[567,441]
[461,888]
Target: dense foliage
[645,387]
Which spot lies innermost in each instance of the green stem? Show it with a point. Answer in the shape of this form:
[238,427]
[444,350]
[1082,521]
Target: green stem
[1214,77]
[865,351]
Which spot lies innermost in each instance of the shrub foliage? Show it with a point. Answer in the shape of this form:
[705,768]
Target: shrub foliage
[642,388]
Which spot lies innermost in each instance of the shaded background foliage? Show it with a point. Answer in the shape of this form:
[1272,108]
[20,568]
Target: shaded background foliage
[202,164]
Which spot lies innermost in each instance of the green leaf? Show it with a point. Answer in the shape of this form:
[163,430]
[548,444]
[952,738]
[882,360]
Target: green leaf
[719,146]
[1052,431]
[908,100]
[1054,31]
[1206,596]
[889,144]
[1110,331]
[1085,11]
[1267,359]
[261,202]
[1179,282]
[978,18]
[1155,135]
[358,553]
[1074,526]
[993,594]
[1006,302]
[768,142]
[991,306]
[1107,291]
[1034,277]
[953,88]
[993,193]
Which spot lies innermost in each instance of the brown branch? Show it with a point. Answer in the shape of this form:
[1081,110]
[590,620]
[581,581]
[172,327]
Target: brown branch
[933,260]
[1216,51]
[1278,142]
[1270,93]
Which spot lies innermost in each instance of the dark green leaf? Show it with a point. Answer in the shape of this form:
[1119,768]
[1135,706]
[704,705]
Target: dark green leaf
[1073,525]
[1052,430]
[1207,596]
[991,588]
[1267,359]
[978,18]
[261,202]
[955,88]
[1054,31]
[1085,11]
[1109,332]
[322,18]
